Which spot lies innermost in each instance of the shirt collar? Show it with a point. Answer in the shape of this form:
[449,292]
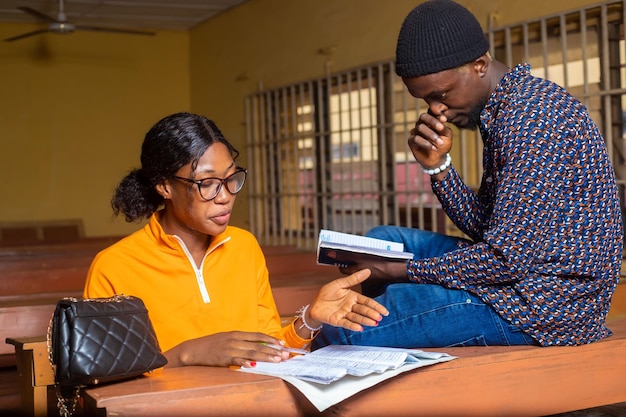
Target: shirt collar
[498,96]
[174,243]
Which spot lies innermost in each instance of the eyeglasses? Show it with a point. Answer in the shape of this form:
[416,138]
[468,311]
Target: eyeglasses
[209,188]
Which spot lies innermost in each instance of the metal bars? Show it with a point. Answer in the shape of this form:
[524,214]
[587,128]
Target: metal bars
[332,153]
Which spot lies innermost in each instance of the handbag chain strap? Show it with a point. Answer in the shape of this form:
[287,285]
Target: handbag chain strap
[67,406]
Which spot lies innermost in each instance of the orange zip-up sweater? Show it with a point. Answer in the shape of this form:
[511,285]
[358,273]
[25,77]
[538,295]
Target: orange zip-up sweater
[230,291]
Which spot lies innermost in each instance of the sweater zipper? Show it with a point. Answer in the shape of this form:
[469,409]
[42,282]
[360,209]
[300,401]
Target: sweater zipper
[198,270]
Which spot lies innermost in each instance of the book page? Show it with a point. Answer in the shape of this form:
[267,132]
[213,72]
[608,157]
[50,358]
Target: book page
[344,249]
[356,240]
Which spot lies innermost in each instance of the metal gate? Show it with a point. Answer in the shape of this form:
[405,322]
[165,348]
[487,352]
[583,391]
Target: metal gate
[331,152]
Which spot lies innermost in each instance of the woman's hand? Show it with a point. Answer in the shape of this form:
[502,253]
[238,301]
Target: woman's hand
[338,305]
[227,349]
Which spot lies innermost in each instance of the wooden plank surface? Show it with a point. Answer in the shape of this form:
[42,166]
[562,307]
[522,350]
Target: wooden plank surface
[24,321]
[483,381]
[195,391]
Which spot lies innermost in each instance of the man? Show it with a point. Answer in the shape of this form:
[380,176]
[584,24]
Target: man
[545,227]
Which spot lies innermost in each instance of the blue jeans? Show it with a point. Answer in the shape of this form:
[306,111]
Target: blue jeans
[426,315]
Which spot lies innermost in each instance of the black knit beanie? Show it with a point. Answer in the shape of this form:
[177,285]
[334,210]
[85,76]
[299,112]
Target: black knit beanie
[438,35]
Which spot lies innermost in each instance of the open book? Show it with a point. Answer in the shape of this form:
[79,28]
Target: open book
[336,372]
[345,246]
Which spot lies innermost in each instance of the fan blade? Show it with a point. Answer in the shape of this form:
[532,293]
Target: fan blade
[25,35]
[115,30]
[37,14]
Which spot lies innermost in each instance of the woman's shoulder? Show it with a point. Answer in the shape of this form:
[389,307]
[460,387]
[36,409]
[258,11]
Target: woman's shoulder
[135,242]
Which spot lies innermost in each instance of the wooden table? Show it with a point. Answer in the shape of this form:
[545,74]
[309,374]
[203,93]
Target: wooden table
[194,391]
[483,381]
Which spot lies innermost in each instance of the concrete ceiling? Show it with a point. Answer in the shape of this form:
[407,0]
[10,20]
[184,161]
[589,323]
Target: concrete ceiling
[122,14]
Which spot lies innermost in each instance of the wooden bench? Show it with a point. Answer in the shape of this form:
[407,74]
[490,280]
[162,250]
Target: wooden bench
[34,374]
[509,373]
[483,381]
[34,278]
[41,232]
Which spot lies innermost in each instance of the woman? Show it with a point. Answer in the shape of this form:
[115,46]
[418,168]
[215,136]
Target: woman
[205,283]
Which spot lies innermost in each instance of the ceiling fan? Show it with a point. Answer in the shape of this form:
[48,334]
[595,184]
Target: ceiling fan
[62,26]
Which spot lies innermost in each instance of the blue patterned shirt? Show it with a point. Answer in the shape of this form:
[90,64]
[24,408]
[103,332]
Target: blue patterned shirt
[546,222]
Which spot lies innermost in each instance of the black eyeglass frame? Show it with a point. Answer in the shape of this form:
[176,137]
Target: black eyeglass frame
[222,181]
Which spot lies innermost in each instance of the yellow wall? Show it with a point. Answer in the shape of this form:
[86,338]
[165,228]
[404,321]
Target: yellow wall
[74,108]
[73,111]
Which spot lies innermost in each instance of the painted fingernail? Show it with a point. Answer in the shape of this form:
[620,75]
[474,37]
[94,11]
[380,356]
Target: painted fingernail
[253,364]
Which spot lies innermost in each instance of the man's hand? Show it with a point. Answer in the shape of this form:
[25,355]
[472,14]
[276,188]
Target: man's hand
[430,140]
[380,269]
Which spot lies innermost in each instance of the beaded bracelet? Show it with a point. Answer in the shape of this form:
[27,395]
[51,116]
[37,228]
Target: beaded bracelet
[301,314]
[441,168]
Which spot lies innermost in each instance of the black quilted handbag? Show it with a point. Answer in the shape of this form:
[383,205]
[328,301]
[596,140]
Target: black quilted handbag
[99,340]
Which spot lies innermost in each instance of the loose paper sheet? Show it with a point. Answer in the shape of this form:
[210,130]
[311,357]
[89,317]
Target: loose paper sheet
[334,373]
[324,396]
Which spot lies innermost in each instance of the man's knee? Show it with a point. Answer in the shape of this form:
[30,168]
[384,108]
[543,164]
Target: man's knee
[380,232]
